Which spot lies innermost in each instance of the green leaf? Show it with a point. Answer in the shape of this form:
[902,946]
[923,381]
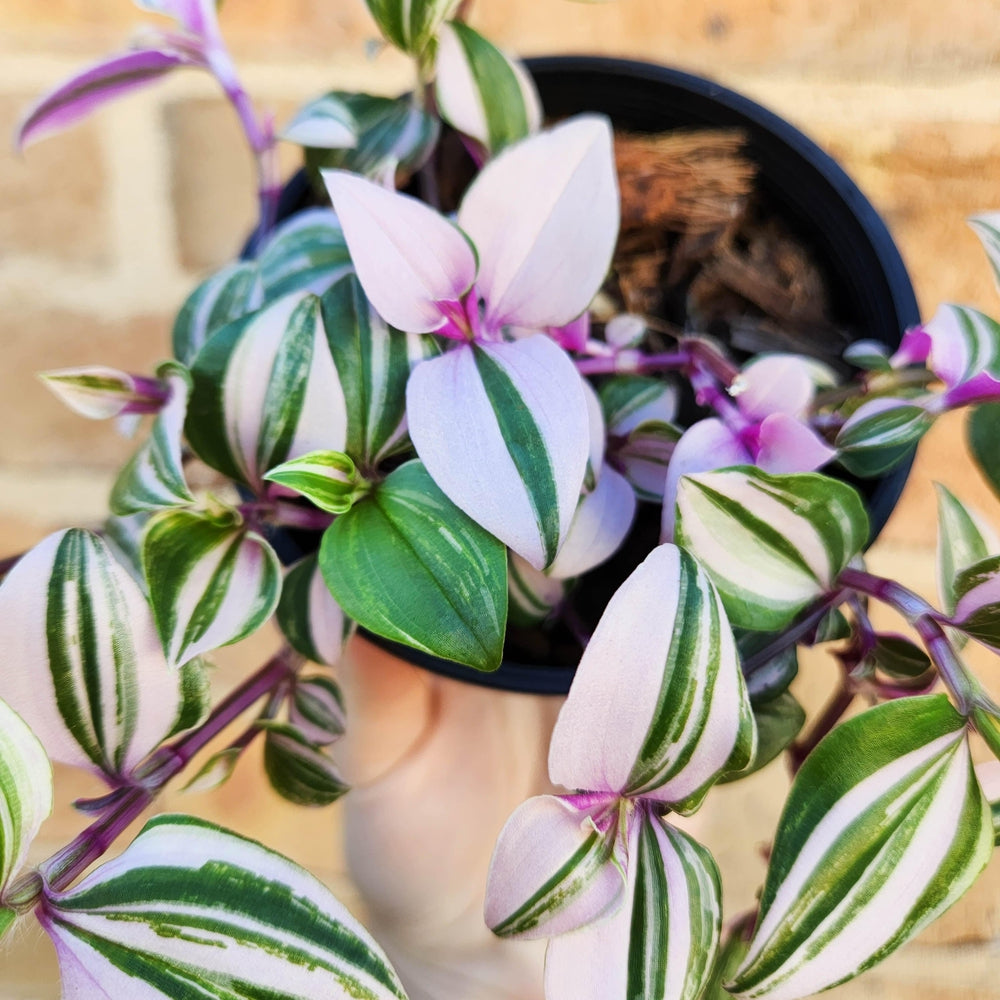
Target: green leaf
[327,478]
[407,564]
[779,721]
[266,390]
[833,627]
[986,718]
[306,253]
[216,771]
[154,477]
[871,355]
[983,432]
[533,595]
[196,695]
[312,621]
[316,709]
[481,92]
[391,132]
[884,828]
[210,583]
[192,910]
[233,292]
[769,679]
[961,543]
[977,606]
[298,770]
[898,657]
[374,362]
[410,24]
[772,544]
[880,435]
[25,795]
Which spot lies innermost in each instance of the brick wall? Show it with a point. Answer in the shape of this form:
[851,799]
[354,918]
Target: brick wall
[103,230]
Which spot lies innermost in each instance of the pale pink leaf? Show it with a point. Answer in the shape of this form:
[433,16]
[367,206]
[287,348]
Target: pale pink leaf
[785,444]
[777,383]
[600,525]
[553,869]
[410,260]
[544,218]
[526,497]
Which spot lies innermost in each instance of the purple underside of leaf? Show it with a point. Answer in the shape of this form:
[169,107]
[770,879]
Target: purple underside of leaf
[981,388]
[95,86]
[544,218]
[408,258]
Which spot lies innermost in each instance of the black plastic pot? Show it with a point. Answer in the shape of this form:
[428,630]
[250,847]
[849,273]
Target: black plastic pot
[869,287]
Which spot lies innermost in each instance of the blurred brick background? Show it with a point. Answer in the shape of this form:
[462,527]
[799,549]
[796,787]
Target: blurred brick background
[105,229]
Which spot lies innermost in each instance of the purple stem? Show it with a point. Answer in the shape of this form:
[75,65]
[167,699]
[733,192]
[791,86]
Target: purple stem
[832,714]
[66,865]
[634,362]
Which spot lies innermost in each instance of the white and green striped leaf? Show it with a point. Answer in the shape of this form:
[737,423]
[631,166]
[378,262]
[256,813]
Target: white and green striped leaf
[154,477]
[866,855]
[880,434]
[325,123]
[297,769]
[869,355]
[316,709]
[311,620]
[84,665]
[553,869]
[211,581]
[374,362]
[977,604]
[233,292]
[778,722]
[534,595]
[99,393]
[306,253]
[327,478]
[407,564]
[772,544]
[410,24]
[265,391]
[964,539]
[192,910]
[481,92]
[987,227]
[504,430]
[662,942]
[658,707]
[25,796]
[964,342]
[391,133]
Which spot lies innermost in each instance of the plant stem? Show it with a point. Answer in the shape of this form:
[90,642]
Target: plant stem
[831,715]
[633,362]
[66,865]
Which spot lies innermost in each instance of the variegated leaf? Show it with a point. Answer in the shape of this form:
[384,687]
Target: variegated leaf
[658,707]
[98,84]
[306,253]
[228,294]
[963,343]
[297,769]
[977,601]
[534,595]
[216,771]
[325,123]
[987,227]
[410,24]
[963,540]
[880,434]
[374,362]
[154,476]
[772,544]
[481,92]
[768,679]
[631,400]
[316,709]
[266,390]
[327,478]
[503,429]
[25,796]
[407,564]
[867,855]
[553,869]
[211,582]
[190,909]
[312,621]
[391,132]
[982,432]
[99,392]
[85,668]
[662,942]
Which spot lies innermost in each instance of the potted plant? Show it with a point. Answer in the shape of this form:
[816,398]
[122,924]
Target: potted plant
[464,417]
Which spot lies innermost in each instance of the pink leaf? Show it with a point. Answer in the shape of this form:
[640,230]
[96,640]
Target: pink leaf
[704,447]
[95,86]
[552,870]
[503,430]
[778,383]
[784,444]
[544,217]
[411,262]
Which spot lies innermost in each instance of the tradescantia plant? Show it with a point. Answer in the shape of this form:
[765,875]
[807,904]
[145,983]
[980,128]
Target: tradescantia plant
[430,398]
